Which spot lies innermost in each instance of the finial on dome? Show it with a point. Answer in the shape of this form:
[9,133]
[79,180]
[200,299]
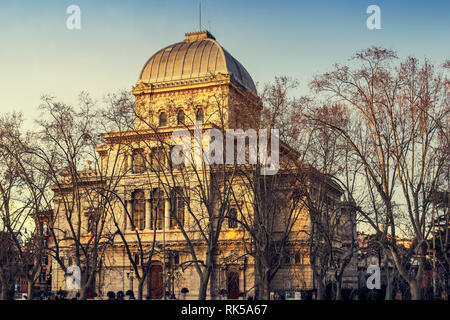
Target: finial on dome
[199,35]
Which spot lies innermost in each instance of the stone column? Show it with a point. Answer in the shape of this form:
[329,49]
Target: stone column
[86,223]
[167,213]
[148,210]
[241,279]
[130,161]
[130,212]
[124,215]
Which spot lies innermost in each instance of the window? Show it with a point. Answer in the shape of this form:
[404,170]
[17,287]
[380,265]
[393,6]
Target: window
[44,228]
[92,223]
[158,208]
[232,216]
[162,119]
[157,159]
[298,258]
[176,258]
[177,212]
[138,161]
[136,259]
[180,117]
[199,115]
[139,209]
[42,277]
[178,155]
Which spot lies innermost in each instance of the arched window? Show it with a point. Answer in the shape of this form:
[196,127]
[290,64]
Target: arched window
[138,161]
[139,209]
[232,216]
[92,219]
[180,117]
[158,208]
[298,258]
[157,159]
[162,119]
[177,208]
[136,258]
[176,155]
[176,258]
[199,115]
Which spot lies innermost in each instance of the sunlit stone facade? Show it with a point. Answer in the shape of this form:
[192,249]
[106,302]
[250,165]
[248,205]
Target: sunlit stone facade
[193,80]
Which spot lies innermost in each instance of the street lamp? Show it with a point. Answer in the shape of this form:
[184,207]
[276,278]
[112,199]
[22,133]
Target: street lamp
[130,276]
[171,274]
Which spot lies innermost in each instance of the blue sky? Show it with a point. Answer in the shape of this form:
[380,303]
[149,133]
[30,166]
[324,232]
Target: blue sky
[39,55]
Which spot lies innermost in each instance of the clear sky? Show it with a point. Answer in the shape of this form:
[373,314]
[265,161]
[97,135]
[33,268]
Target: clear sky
[40,55]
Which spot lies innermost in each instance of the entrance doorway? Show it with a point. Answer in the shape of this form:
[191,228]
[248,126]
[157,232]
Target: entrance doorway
[156,282]
[233,284]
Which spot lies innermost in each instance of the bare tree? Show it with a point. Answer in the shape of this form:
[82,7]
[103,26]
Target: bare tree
[10,269]
[329,182]
[402,144]
[22,199]
[120,114]
[80,228]
[272,205]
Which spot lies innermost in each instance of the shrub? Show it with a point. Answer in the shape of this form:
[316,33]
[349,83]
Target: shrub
[111,295]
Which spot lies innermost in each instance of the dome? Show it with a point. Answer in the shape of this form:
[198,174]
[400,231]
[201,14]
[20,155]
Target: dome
[199,55]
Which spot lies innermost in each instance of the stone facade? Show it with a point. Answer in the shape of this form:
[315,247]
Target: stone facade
[181,82]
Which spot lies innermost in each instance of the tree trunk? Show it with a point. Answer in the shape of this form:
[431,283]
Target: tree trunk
[339,289]
[388,293]
[140,287]
[320,290]
[414,284]
[84,288]
[149,285]
[258,280]
[414,287]
[4,292]
[204,279]
[30,290]
[84,292]
[266,286]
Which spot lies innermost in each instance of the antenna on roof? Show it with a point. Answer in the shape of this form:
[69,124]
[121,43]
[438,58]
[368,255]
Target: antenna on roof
[200,15]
